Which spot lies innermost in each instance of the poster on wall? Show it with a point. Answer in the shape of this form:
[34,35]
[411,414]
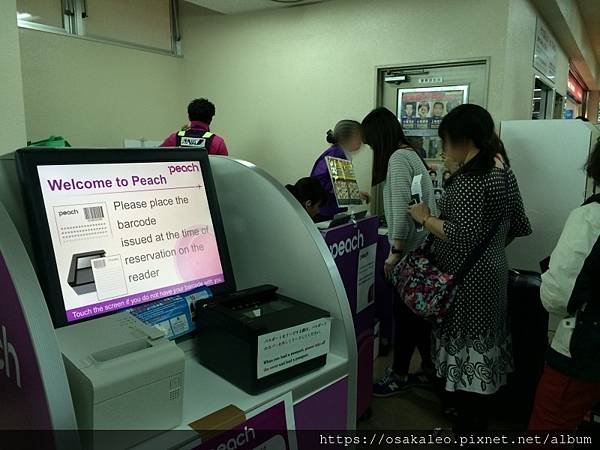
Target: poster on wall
[421,110]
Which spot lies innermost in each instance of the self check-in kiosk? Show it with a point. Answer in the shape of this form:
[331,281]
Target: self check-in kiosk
[202,391]
[122,372]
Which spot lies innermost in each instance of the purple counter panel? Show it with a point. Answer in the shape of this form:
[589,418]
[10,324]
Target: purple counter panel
[354,250]
[325,410]
[348,243]
[384,292]
[23,403]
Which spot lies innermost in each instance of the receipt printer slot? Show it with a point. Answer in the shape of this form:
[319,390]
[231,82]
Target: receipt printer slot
[120,350]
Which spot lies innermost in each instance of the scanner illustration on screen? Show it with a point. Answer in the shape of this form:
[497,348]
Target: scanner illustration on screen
[81,274]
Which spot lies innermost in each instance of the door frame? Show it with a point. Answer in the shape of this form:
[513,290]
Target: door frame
[434,64]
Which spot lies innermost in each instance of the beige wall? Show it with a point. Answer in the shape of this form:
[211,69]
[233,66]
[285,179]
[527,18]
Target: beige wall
[518,66]
[12,115]
[96,94]
[281,78]
[589,66]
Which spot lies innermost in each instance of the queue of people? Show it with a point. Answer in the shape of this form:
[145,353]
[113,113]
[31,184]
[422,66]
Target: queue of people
[467,355]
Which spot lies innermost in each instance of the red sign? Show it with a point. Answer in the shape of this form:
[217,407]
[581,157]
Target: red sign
[575,89]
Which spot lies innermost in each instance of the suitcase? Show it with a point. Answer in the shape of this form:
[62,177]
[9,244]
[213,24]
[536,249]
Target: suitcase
[528,321]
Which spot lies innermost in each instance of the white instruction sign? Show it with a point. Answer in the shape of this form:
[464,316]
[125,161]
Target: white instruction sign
[365,276]
[286,348]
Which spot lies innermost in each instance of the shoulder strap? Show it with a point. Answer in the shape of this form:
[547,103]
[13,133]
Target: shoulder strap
[480,249]
[593,199]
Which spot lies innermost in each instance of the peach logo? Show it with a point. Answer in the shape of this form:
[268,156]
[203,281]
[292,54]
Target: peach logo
[198,254]
[8,354]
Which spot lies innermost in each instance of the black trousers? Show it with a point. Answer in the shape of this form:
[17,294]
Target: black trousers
[410,332]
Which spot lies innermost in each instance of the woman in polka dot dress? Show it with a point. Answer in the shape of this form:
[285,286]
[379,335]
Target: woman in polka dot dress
[472,347]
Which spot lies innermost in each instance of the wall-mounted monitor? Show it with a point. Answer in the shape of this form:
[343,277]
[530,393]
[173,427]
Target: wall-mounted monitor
[116,228]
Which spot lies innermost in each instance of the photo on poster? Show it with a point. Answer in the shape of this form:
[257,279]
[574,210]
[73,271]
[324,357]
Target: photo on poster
[421,110]
[433,174]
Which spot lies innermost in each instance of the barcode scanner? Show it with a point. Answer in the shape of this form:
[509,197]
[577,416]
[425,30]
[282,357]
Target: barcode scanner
[81,275]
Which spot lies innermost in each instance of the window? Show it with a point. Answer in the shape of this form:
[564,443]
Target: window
[48,13]
[146,24]
[141,22]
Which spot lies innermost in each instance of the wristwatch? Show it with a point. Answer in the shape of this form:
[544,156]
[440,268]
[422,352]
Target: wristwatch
[396,251]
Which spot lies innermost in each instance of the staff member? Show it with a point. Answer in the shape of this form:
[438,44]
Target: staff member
[198,134]
[309,193]
[345,139]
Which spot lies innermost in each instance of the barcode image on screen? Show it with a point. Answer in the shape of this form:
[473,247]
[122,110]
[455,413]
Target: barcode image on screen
[99,263]
[93,213]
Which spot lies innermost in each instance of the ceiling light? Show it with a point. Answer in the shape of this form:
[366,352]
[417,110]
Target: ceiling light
[23,16]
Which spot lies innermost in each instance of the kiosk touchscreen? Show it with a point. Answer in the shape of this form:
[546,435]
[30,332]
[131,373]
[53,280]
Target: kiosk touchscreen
[116,228]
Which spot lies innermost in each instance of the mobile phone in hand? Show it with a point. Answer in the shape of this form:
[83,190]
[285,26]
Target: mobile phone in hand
[415,199]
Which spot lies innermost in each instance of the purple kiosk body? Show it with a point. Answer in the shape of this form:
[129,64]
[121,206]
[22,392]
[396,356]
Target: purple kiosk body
[354,250]
[384,292]
[285,250]
[33,383]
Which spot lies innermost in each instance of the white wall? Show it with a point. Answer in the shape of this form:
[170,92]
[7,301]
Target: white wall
[96,94]
[12,115]
[281,78]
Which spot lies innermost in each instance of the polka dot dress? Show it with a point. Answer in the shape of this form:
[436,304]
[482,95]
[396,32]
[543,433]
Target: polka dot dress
[472,347]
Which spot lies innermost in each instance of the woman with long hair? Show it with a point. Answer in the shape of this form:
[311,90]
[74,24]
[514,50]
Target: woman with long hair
[397,164]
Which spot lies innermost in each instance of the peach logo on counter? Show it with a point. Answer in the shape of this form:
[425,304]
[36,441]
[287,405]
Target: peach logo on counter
[8,353]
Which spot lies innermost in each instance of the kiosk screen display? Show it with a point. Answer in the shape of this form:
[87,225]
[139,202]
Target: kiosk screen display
[120,234]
